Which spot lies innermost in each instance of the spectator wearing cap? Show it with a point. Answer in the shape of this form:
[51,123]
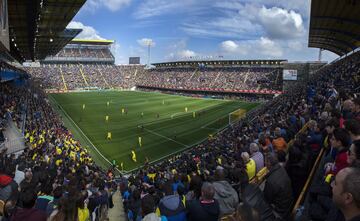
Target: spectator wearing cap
[205,208]
[257,156]
[346,193]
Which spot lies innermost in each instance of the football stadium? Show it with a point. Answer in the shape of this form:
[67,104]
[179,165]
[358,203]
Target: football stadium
[159,110]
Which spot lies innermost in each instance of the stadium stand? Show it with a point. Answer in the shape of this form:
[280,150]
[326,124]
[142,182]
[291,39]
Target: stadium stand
[295,157]
[216,79]
[270,128]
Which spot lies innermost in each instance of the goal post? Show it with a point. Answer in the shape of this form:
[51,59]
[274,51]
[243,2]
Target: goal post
[236,116]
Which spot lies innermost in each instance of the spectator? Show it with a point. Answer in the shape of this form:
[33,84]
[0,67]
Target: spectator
[279,142]
[245,212]
[52,205]
[257,156]
[251,195]
[83,211]
[224,193]
[340,140]
[353,127]
[28,212]
[171,205]
[250,165]
[346,193]
[205,208]
[278,191]
[43,200]
[66,211]
[148,209]
[354,152]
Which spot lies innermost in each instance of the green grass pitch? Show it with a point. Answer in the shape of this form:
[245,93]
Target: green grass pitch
[173,130]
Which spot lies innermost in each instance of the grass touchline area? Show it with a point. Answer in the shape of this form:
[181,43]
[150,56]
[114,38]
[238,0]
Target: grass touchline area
[149,125]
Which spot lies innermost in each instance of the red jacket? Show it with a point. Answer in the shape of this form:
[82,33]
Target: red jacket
[340,161]
[5,180]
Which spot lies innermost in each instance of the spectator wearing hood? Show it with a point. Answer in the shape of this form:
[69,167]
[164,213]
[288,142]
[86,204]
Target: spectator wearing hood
[225,194]
[171,205]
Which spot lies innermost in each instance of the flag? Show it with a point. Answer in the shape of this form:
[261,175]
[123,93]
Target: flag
[83,106]
[163,102]
[106,118]
[186,109]
[194,115]
[109,136]
[133,156]
[140,144]
[122,165]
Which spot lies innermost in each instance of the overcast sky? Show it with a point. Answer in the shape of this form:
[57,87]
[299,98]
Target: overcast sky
[180,29]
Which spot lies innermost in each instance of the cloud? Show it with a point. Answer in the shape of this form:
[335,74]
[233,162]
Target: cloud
[269,47]
[181,55]
[152,8]
[280,23]
[186,53]
[229,46]
[112,5]
[88,32]
[144,42]
[118,54]
[262,47]
[247,21]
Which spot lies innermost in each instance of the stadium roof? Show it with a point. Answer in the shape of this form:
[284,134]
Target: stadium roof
[92,42]
[219,63]
[37,28]
[335,25]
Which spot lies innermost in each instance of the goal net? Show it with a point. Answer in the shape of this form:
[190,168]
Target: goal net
[237,115]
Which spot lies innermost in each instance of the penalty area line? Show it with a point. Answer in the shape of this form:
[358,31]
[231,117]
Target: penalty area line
[168,138]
